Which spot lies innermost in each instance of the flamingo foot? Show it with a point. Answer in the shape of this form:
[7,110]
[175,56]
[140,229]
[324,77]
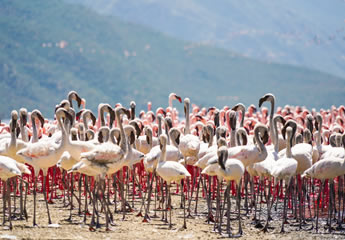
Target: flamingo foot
[210,218]
[258,225]
[190,216]
[92,229]
[146,219]
[139,214]
[87,213]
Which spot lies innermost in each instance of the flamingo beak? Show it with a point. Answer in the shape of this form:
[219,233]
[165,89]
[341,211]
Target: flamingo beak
[178,98]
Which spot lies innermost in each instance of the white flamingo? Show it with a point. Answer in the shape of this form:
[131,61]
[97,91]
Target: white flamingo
[231,169]
[189,144]
[285,168]
[171,171]
[8,169]
[10,146]
[302,152]
[45,154]
[329,168]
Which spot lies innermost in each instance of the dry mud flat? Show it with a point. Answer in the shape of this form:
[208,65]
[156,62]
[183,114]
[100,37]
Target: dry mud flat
[133,227]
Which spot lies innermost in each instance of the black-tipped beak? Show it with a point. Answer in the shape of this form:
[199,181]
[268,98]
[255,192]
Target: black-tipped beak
[78,100]
[112,116]
[68,116]
[100,137]
[41,118]
[262,100]
[178,98]
[25,120]
[211,109]
[93,118]
[79,114]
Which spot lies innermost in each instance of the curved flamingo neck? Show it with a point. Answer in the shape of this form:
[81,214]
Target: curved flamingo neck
[272,133]
[123,140]
[288,146]
[163,153]
[34,130]
[260,144]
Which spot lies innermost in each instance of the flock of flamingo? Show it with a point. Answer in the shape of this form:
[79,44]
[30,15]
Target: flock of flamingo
[290,158]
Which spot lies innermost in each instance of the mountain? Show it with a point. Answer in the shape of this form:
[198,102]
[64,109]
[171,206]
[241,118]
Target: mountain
[307,33]
[48,48]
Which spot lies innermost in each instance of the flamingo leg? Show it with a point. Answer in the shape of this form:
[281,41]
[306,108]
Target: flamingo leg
[146,217]
[318,206]
[209,200]
[240,232]
[45,198]
[217,207]
[197,194]
[115,193]
[8,193]
[169,206]
[92,223]
[25,197]
[14,181]
[287,187]
[340,196]
[71,202]
[184,206]
[265,229]
[86,206]
[330,205]
[21,199]
[35,193]
[4,196]
[192,191]
[79,191]
[227,196]
[258,223]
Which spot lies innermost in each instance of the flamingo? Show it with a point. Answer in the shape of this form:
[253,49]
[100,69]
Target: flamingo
[36,114]
[171,171]
[285,168]
[172,97]
[322,148]
[102,108]
[146,142]
[8,169]
[9,147]
[101,160]
[73,95]
[329,168]
[269,97]
[250,154]
[264,168]
[189,144]
[23,116]
[231,169]
[302,152]
[42,155]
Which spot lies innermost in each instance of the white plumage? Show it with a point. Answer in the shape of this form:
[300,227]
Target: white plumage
[10,168]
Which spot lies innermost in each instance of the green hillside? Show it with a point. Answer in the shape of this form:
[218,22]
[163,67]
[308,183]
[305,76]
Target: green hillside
[304,33]
[48,48]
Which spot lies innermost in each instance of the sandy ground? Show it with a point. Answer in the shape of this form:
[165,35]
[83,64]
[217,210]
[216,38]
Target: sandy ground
[133,227]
